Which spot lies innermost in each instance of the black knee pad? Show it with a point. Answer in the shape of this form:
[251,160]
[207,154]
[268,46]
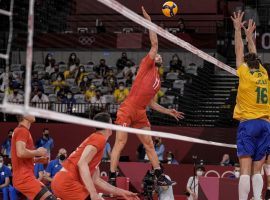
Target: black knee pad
[51,197]
[42,192]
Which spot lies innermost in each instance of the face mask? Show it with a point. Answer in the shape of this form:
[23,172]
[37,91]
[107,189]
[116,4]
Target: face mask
[73,57]
[69,96]
[85,79]
[169,158]
[111,81]
[49,58]
[46,135]
[1,165]
[59,79]
[82,70]
[62,157]
[199,173]
[237,174]
[175,59]
[121,87]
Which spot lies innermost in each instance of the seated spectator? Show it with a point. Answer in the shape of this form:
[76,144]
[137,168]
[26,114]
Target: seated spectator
[49,64]
[191,69]
[98,102]
[176,65]
[121,93]
[141,153]
[73,60]
[59,83]
[122,62]
[226,161]
[181,25]
[36,81]
[53,76]
[45,141]
[193,183]
[55,166]
[15,97]
[91,92]
[84,84]
[5,79]
[69,100]
[39,171]
[129,78]
[40,98]
[102,69]
[6,146]
[158,95]
[107,152]
[171,159]
[110,75]
[112,83]
[7,190]
[72,72]
[81,73]
[159,148]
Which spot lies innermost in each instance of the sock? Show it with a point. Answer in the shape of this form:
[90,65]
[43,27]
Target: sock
[158,172]
[244,187]
[112,175]
[257,185]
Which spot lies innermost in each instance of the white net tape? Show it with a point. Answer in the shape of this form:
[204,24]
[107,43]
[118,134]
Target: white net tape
[46,114]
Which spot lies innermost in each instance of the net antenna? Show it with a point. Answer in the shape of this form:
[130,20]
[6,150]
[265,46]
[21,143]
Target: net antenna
[52,115]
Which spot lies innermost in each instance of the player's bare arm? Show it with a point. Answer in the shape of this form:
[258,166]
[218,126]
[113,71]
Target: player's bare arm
[249,31]
[23,152]
[153,37]
[239,45]
[108,188]
[86,157]
[172,112]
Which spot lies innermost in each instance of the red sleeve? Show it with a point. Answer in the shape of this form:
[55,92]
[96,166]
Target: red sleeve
[22,135]
[147,62]
[97,141]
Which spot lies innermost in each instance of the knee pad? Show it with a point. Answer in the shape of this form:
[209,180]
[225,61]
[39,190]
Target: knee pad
[41,193]
[51,197]
[267,169]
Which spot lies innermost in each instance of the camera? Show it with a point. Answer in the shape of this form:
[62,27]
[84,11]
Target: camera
[149,185]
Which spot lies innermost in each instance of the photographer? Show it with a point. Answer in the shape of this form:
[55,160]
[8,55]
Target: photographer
[192,185]
[159,148]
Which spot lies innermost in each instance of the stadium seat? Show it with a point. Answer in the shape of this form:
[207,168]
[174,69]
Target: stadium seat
[75,89]
[121,80]
[39,67]
[89,68]
[91,76]
[80,98]
[167,100]
[104,89]
[97,82]
[109,98]
[172,76]
[70,82]
[52,98]
[15,67]
[48,89]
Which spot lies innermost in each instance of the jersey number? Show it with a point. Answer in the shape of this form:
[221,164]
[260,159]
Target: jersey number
[262,97]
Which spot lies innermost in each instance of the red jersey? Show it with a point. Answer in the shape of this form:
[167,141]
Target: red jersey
[146,84]
[23,168]
[97,140]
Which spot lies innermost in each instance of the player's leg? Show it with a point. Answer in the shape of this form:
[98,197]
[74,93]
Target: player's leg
[257,179]
[244,181]
[45,194]
[120,142]
[267,172]
[152,155]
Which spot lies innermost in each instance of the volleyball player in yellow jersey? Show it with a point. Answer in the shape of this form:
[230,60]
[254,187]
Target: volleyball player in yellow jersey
[252,110]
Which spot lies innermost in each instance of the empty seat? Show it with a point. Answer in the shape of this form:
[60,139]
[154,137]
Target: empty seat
[89,68]
[52,98]
[48,89]
[109,98]
[172,76]
[80,98]
[167,100]
[104,89]
[97,82]
[39,67]
[75,89]
[15,67]
[70,82]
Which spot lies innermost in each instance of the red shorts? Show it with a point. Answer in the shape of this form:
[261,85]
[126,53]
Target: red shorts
[131,116]
[66,187]
[29,187]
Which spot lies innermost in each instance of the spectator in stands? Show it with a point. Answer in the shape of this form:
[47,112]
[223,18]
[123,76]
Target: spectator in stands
[100,27]
[7,190]
[81,73]
[110,75]
[226,161]
[171,159]
[15,97]
[54,166]
[98,98]
[40,97]
[69,100]
[121,93]
[36,81]
[176,65]
[5,79]
[45,141]
[158,96]
[39,171]
[84,84]
[129,77]
[53,76]
[122,62]
[191,69]
[160,148]
[192,184]
[102,69]
[6,146]
[73,60]
[49,64]
[59,83]
[71,72]
[141,153]
[107,152]
[181,25]
[91,92]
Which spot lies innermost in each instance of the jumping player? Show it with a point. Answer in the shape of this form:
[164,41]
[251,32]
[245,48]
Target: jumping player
[80,176]
[22,157]
[132,112]
[252,110]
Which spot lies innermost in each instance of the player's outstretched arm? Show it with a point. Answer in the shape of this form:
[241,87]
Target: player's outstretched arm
[239,45]
[153,37]
[108,188]
[172,112]
[86,157]
[249,35]
[23,152]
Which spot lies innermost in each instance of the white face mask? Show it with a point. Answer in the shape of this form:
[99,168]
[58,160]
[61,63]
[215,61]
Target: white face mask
[169,158]
[81,70]
[85,79]
[237,174]
[1,165]
[199,173]
[69,96]
[59,79]
[121,87]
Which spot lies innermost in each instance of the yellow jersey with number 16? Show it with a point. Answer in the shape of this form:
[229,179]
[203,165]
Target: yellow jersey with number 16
[252,100]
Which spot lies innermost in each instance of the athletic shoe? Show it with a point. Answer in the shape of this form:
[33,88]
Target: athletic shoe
[163,181]
[267,195]
[112,181]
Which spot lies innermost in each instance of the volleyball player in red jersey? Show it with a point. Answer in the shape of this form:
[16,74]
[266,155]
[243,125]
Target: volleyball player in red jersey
[80,176]
[23,153]
[132,112]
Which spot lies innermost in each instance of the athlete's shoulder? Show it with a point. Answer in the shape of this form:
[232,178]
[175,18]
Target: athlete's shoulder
[242,69]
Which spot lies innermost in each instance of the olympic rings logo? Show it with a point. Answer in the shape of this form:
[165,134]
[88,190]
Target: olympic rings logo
[86,40]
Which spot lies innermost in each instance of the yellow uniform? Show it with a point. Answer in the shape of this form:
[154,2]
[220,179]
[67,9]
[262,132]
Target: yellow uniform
[252,98]
[120,95]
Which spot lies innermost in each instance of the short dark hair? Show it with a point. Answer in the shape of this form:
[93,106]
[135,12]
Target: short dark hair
[102,117]
[252,60]
[267,67]
[19,118]
[200,167]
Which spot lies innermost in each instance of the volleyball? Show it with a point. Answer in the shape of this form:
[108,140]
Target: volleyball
[169,9]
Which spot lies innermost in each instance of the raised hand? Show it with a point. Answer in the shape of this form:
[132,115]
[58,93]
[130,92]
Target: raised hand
[250,29]
[237,19]
[145,14]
